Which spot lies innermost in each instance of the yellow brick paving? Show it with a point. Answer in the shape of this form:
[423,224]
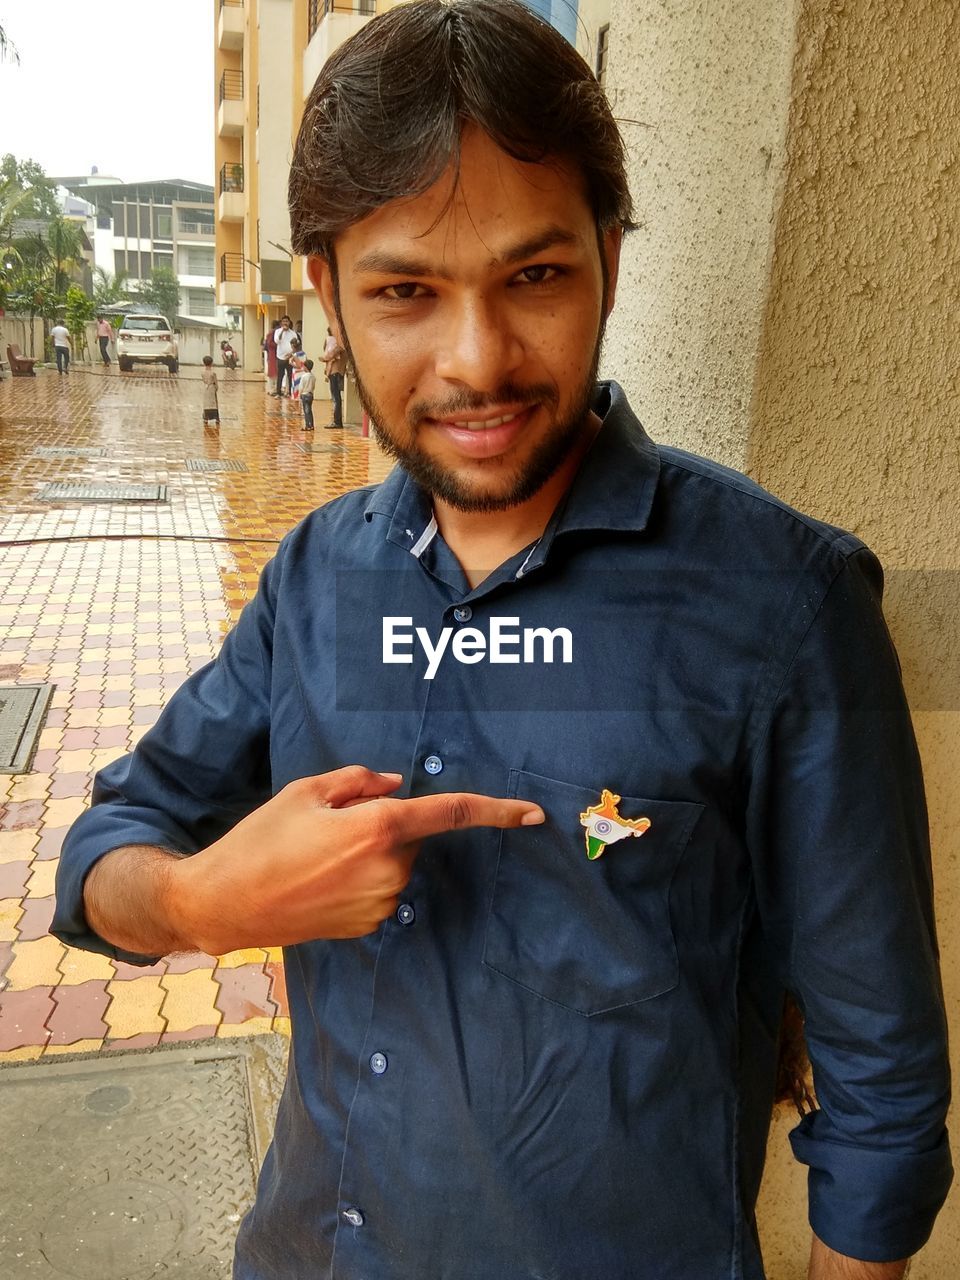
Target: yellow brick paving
[115,604]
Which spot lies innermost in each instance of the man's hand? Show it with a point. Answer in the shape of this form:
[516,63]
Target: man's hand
[825,1264]
[326,858]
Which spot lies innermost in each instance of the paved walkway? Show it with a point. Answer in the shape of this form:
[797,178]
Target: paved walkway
[115,604]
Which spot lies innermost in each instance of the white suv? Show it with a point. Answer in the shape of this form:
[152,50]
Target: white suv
[146,339]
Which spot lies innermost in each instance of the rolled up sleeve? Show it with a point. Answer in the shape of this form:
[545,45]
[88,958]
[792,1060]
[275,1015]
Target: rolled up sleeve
[202,767]
[838,834]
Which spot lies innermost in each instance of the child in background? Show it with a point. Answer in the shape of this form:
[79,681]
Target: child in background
[307,384]
[211,409]
[298,362]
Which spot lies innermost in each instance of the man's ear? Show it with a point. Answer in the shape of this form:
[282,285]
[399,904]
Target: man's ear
[321,277]
[611,244]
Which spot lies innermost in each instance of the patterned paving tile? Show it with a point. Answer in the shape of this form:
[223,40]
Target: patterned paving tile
[23,1018]
[78,1013]
[190,1001]
[134,1008]
[117,626]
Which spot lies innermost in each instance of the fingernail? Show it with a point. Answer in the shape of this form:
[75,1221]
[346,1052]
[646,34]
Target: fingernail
[533,818]
[398,776]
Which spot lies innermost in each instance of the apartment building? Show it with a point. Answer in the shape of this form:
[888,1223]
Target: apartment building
[268,55]
[170,223]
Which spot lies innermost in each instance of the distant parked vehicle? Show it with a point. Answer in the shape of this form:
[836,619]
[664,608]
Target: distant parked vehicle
[143,339]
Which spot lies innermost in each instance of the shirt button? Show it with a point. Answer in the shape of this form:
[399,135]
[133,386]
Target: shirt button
[463,613]
[378,1064]
[406,913]
[353,1216]
[433,764]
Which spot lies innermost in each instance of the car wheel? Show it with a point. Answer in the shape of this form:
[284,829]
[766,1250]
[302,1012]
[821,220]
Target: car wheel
[173,366]
[125,365]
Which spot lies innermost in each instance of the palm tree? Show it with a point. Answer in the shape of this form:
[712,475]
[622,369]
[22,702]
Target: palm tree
[7,48]
[65,239]
[108,289]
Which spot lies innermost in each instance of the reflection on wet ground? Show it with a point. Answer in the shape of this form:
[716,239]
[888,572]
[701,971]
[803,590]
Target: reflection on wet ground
[115,603]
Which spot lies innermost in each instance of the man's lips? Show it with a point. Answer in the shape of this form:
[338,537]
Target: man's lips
[484,435]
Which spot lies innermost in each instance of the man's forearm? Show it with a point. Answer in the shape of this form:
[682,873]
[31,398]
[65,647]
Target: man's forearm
[825,1264]
[128,899]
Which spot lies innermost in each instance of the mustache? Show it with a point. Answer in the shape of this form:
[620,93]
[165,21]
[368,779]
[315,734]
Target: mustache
[467,401]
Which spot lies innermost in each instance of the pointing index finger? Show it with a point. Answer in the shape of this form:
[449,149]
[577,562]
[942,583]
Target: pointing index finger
[422,816]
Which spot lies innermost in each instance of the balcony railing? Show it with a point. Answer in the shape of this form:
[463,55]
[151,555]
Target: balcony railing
[196,228]
[320,8]
[231,86]
[231,178]
[231,268]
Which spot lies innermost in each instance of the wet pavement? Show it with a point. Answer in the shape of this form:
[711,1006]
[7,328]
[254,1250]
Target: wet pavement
[115,604]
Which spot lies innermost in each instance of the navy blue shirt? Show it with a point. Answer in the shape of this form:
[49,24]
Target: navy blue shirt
[547,1065]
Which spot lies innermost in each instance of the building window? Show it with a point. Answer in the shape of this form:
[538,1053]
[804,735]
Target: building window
[144,222]
[119,262]
[197,260]
[162,224]
[119,220]
[603,47]
[201,302]
[162,259]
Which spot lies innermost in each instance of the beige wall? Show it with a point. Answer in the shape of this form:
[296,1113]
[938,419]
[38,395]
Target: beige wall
[790,306]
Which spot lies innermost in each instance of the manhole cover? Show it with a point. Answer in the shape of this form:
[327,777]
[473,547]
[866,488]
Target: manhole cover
[134,1164]
[22,711]
[215,464]
[55,451]
[322,448]
[64,489]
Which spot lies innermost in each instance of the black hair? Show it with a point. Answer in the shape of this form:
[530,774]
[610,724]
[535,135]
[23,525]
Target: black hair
[385,117]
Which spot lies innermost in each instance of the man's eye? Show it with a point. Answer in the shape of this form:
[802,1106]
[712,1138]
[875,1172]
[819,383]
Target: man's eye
[540,274]
[401,292]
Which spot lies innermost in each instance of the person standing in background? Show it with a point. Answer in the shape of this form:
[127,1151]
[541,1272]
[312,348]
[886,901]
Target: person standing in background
[284,337]
[308,382]
[61,346]
[104,334]
[334,364]
[211,405]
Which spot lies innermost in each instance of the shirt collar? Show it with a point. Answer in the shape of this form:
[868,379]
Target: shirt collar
[614,488]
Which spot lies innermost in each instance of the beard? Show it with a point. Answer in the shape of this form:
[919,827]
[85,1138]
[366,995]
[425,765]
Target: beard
[508,486]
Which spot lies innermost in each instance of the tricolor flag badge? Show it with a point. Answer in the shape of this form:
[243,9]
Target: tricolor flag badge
[603,824]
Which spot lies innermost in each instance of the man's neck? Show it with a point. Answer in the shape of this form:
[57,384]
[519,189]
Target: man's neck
[483,540]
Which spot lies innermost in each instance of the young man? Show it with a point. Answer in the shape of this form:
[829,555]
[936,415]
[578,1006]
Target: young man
[549,1049]
[104,335]
[284,337]
[62,346]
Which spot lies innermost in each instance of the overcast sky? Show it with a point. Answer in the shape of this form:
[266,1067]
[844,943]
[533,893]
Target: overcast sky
[126,87]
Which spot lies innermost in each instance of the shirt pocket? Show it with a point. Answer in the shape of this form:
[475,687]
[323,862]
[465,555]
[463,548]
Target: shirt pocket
[588,935]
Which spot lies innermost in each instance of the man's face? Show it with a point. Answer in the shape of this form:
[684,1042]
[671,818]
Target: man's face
[474,324]
[284,323]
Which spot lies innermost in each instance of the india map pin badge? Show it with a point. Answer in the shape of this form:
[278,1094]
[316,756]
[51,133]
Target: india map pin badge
[603,825]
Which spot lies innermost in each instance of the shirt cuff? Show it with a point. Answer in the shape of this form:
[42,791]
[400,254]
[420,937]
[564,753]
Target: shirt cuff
[872,1203]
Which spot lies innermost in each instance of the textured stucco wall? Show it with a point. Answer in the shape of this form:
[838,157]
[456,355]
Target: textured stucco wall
[855,411]
[702,93]
[790,306]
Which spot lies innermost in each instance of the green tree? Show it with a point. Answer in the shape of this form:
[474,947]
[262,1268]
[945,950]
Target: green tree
[109,290]
[78,311]
[162,291]
[26,175]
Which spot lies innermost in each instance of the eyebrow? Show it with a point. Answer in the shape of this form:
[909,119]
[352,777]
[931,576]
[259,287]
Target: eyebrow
[387,263]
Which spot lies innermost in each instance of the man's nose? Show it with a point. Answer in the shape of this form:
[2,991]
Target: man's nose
[478,347]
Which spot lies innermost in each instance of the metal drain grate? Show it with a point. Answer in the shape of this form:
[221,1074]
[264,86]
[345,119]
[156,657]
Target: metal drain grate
[323,448]
[56,451]
[22,711]
[215,464]
[64,489]
[133,1164]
